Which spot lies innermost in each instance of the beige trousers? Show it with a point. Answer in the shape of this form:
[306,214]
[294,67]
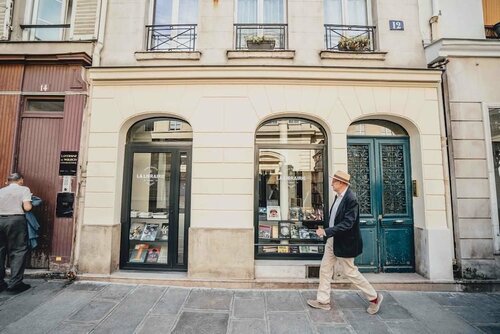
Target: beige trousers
[348,269]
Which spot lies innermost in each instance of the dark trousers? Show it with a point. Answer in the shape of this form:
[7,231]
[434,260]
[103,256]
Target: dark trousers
[13,241]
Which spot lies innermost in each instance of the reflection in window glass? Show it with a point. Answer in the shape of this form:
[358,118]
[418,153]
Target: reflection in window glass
[160,130]
[376,128]
[291,188]
[45,106]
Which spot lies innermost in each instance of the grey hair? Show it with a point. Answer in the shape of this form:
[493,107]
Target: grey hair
[14,177]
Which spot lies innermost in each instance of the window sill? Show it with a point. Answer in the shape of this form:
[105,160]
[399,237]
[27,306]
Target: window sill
[248,54]
[170,55]
[375,55]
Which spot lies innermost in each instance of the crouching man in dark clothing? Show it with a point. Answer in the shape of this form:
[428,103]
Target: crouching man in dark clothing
[15,199]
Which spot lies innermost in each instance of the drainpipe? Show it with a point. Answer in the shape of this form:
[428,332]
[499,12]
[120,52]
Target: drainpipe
[96,56]
[449,170]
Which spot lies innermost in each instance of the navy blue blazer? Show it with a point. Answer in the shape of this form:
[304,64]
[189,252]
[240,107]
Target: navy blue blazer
[347,241]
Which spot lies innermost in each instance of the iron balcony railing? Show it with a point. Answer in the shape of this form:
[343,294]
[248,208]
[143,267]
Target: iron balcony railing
[349,38]
[171,37]
[274,32]
[46,32]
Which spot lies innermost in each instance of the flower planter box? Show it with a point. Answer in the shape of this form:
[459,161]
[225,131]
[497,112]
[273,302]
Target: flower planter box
[266,45]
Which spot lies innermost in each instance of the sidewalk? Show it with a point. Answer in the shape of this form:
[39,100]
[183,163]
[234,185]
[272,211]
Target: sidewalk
[82,307]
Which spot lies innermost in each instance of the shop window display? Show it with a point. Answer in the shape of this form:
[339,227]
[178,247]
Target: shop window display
[291,189]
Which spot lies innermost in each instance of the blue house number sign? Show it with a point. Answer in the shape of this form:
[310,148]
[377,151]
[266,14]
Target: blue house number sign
[396,25]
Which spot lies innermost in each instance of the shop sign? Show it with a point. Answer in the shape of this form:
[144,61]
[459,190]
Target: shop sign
[150,175]
[68,163]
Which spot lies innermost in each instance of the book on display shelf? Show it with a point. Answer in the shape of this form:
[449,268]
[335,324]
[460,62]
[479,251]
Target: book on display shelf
[294,213]
[153,254]
[163,232]
[269,249]
[284,230]
[304,233]
[294,249]
[273,212]
[283,249]
[275,232]
[149,233]
[139,253]
[294,231]
[136,230]
[264,231]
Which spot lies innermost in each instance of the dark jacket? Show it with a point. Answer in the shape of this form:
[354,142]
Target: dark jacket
[346,234]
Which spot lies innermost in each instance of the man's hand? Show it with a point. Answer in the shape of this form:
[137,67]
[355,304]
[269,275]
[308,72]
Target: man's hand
[320,232]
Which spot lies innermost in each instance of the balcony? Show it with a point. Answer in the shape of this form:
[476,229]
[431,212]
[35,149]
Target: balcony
[268,36]
[45,32]
[171,37]
[349,38]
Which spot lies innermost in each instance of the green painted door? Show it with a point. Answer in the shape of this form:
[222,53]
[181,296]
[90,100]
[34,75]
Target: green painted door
[380,170]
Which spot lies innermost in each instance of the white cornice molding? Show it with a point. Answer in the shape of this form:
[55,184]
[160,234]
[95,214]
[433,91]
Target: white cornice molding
[247,74]
[444,48]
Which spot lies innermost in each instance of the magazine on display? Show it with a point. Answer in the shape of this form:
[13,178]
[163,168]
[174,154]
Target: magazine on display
[294,213]
[163,233]
[265,232]
[139,253]
[153,255]
[294,231]
[149,233]
[136,230]
[283,249]
[273,212]
[284,230]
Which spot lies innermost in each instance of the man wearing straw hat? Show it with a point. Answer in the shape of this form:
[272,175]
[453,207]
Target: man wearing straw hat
[343,244]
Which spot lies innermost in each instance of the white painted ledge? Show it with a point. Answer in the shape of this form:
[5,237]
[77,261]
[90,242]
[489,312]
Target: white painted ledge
[169,55]
[328,54]
[249,54]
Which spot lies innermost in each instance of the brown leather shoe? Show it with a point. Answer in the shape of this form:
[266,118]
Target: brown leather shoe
[319,305]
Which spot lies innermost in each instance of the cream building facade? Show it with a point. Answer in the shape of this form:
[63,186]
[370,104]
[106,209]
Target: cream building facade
[224,95]
[471,60]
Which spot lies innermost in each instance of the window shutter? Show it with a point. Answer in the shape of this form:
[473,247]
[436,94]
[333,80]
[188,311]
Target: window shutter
[85,19]
[5,18]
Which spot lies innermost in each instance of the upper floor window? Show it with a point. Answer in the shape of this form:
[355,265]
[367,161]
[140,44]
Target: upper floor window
[49,20]
[174,25]
[261,24]
[346,25]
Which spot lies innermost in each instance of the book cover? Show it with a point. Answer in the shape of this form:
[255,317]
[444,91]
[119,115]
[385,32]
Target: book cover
[264,231]
[273,212]
[294,213]
[304,233]
[294,249]
[136,230]
[163,233]
[150,231]
[139,253]
[313,249]
[284,230]
[283,249]
[304,249]
[294,231]
[269,249]
[153,255]
[275,233]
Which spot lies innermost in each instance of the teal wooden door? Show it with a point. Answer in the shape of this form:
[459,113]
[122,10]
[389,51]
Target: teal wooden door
[380,176]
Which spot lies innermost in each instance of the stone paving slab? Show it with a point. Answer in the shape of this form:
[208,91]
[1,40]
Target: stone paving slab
[201,323]
[85,307]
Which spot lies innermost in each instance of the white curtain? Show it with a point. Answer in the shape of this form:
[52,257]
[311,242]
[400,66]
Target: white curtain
[274,11]
[247,11]
[356,12]
[163,12]
[333,11]
[188,11]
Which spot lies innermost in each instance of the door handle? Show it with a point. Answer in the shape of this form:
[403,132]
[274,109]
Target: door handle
[399,221]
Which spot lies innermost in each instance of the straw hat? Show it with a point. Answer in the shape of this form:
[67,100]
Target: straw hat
[342,176]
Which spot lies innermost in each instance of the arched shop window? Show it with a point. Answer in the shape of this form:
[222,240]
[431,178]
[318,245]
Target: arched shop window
[291,188]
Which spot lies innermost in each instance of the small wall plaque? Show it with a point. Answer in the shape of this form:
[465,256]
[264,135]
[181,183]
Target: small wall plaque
[396,25]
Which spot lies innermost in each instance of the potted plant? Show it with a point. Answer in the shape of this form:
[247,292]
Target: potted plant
[256,42]
[358,43]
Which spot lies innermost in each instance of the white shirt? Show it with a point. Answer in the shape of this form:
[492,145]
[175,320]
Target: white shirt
[335,207]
